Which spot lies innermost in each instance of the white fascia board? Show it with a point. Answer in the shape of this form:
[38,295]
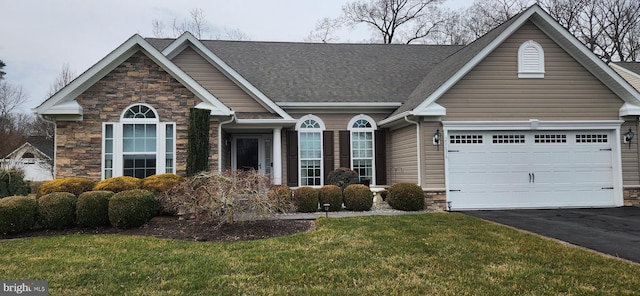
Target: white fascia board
[266,121]
[64,108]
[214,110]
[629,110]
[432,109]
[533,124]
[183,41]
[476,59]
[624,89]
[394,118]
[92,75]
[304,105]
[114,59]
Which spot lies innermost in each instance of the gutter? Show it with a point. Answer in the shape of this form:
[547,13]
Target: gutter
[418,147]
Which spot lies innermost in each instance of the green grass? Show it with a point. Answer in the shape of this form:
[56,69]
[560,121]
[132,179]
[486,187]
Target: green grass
[429,254]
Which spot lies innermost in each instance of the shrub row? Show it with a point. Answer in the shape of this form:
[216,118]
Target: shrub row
[59,210]
[355,197]
[77,185]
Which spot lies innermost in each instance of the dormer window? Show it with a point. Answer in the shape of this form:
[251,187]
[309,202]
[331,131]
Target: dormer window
[530,60]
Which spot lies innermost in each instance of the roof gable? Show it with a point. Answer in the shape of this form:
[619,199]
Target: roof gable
[63,102]
[454,68]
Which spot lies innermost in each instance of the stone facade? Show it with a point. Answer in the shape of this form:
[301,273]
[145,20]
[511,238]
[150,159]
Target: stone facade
[435,201]
[137,80]
[632,197]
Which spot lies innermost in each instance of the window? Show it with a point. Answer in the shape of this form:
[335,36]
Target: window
[362,143]
[591,138]
[465,139]
[310,150]
[549,139]
[530,60]
[508,139]
[139,145]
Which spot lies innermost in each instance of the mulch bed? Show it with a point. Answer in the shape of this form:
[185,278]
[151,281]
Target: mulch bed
[191,230]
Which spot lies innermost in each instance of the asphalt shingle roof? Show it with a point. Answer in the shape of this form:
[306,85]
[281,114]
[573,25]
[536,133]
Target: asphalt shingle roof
[320,72]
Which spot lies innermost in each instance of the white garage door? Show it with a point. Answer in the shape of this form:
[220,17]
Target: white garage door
[530,169]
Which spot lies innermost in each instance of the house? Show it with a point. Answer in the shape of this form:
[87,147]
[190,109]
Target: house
[524,117]
[34,158]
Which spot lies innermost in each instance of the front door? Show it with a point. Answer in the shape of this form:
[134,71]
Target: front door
[252,153]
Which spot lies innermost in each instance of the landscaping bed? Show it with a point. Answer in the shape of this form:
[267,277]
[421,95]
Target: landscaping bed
[189,230]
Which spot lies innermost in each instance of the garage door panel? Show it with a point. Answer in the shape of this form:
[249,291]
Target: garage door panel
[536,170]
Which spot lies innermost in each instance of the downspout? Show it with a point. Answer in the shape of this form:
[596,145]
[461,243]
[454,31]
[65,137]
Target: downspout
[233,117]
[419,148]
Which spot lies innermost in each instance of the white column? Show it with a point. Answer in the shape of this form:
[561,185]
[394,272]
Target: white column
[277,157]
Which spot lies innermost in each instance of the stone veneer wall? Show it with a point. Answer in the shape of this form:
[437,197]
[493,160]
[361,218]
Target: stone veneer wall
[136,80]
[631,196]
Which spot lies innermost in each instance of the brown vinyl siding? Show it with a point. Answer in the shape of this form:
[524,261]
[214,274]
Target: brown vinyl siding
[634,80]
[228,92]
[403,162]
[629,154]
[433,160]
[492,90]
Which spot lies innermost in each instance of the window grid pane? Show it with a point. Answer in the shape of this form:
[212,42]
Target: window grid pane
[310,173]
[364,167]
[139,165]
[169,148]
[362,153]
[139,138]
[108,148]
[310,158]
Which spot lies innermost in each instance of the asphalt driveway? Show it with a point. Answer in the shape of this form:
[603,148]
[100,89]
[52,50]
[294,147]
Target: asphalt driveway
[613,231]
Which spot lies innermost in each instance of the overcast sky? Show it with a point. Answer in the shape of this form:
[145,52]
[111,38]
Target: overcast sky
[37,37]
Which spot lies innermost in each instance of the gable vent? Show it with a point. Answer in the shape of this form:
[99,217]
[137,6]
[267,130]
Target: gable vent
[530,60]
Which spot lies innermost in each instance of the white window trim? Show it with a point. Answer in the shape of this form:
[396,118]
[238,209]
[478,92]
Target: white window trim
[161,147]
[373,141]
[530,73]
[320,130]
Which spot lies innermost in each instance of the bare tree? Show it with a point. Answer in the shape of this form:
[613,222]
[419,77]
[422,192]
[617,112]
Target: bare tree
[484,15]
[65,77]
[197,25]
[11,98]
[325,30]
[395,20]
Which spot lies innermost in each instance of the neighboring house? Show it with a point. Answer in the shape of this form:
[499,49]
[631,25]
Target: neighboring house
[524,117]
[630,71]
[34,158]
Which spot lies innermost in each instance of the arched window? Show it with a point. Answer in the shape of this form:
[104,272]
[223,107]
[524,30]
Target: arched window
[530,60]
[361,128]
[310,130]
[139,145]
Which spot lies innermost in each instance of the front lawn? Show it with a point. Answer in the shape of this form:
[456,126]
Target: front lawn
[429,254]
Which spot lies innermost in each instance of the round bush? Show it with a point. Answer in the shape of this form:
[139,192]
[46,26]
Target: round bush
[92,209]
[57,210]
[12,183]
[131,208]
[17,214]
[161,183]
[343,177]
[406,197]
[280,197]
[75,185]
[118,184]
[306,199]
[332,195]
[358,197]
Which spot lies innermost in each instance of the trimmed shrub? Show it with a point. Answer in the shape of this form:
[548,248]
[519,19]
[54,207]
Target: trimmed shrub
[57,210]
[17,214]
[306,199]
[332,195]
[343,177]
[92,209]
[280,197]
[358,197]
[131,208]
[161,183]
[74,185]
[13,183]
[118,184]
[406,197]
